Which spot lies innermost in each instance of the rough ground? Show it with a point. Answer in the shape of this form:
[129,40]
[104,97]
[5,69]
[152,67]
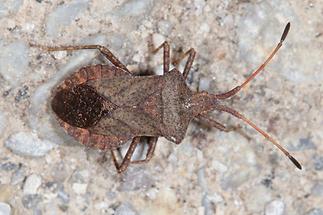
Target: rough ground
[44,171]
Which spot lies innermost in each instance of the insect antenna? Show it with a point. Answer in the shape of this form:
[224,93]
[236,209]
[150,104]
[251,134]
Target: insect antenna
[258,70]
[263,133]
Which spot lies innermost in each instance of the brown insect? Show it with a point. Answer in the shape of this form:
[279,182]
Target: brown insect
[104,106]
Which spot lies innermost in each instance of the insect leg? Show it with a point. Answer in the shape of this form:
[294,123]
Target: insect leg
[191,55]
[258,70]
[105,51]
[166,58]
[152,146]
[127,158]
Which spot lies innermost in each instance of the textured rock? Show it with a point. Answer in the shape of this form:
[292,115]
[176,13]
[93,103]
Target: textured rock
[303,144]
[28,144]
[8,7]
[136,179]
[3,121]
[31,200]
[275,207]
[13,61]
[8,166]
[79,188]
[315,211]
[133,8]
[32,184]
[18,176]
[317,189]
[125,209]
[5,209]
[63,15]
[318,163]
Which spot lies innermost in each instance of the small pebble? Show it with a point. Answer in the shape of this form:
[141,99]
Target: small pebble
[158,39]
[18,176]
[14,62]
[318,163]
[5,209]
[9,7]
[63,15]
[135,179]
[125,209]
[134,8]
[317,189]
[204,83]
[28,144]
[260,198]
[22,94]
[165,27]
[8,166]
[31,200]
[303,144]
[6,192]
[275,207]
[32,184]
[79,188]
[315,211]
[63,196]
[3,122]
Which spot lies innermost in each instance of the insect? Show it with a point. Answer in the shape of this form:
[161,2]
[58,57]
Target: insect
[105,106]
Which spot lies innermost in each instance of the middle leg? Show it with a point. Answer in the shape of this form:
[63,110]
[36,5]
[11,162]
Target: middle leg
[166,54]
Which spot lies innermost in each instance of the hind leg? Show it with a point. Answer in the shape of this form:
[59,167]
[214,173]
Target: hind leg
[104,50]
[150,152]
[127,158]
[166,54]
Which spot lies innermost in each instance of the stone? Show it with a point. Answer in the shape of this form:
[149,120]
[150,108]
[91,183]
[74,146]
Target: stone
[14,61]
[9,7]
[31,200]
[22,94]
[318,163]
[315,211]
[5,208]
[275,207]
[8,166]
[63,15]
[136,179]
[317,189]
[79,188]
[303,144]
[28,144]
[134,8]
[125,209]
[32,184]
[3,121]
[18,176]
[6,192]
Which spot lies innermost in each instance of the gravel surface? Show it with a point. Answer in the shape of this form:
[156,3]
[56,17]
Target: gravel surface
[45,171]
